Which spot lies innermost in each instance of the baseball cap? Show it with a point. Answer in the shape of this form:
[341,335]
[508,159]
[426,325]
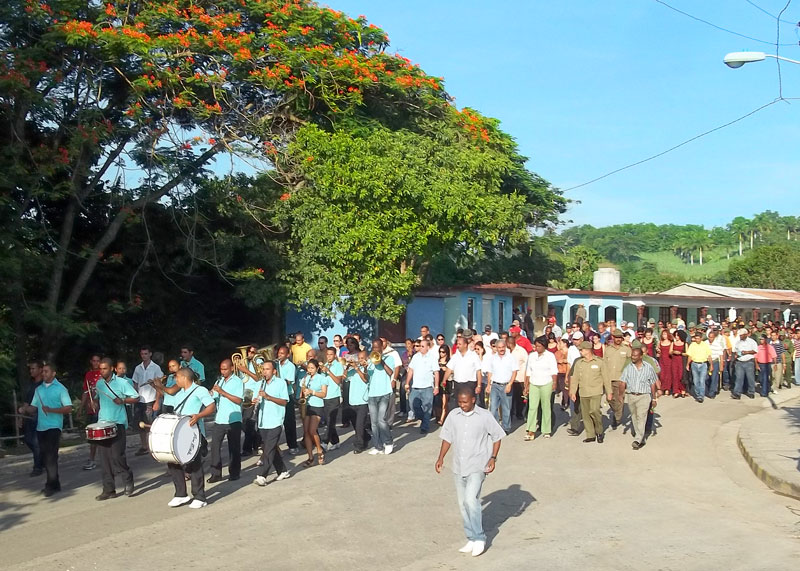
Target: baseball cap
[514,329]
[577,335]
[487,328]
[617,333]
[742,331]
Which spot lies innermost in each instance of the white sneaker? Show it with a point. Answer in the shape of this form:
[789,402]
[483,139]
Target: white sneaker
[89,465]
[478,547]
[410,415]
[282,476]
[374,451]
[260,481]
[388,449]
[179,501]
[197,504]
[259,463]
[294,451]
[333,446]
[467,548]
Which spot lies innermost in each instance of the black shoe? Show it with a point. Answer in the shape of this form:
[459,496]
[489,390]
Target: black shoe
[635,445]
[573,432]
[699,400]
[214,479]
[358,451]
[735,396]
[600,438]
[233,478]
[129,489]
[36,472]
[48,492]
[106,496]
[614,423]
[588,439]
[751,395]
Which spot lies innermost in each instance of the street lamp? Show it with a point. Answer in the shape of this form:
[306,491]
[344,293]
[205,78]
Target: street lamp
[738,59]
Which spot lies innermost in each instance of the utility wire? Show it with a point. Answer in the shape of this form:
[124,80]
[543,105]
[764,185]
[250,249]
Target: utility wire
[770,14]
[719,27]
[777,48]
[679,145]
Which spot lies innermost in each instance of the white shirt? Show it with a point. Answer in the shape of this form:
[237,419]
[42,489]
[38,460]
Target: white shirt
[501,368]
[718,347]
[521,355]
[465,367]
[541,368]
[423,368]
[573,354]
[395,355]
[487,340]
[557,331]
[747,345]
[141,375]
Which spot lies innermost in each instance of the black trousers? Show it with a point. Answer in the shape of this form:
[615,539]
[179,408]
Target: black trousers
[113,461]
[331,412]
[48,450]
[271,456]
[290,425]
[195,470]
[361,436]
[234,433]
[346,412]
[518,407]
[252,439]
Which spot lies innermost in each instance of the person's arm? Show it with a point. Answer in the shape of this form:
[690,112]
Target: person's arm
[409,378]
[607,383]
[442,452]
[689,361]
[491,463]
[361,373]
[207,411]
[279,402]
[246,370]
[222,392]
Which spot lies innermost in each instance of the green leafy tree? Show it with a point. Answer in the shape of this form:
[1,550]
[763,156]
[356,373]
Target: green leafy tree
[739,227]
[580,263]
[770,266]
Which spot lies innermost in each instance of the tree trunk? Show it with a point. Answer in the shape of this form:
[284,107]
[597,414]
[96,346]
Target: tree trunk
[751,239]
[740,245]
[701,256]
[691,258]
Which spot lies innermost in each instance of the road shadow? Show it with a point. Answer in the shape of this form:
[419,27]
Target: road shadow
[13,514]
[793,414]
[501,505]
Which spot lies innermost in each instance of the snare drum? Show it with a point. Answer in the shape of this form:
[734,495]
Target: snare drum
[103,430]
[172,440]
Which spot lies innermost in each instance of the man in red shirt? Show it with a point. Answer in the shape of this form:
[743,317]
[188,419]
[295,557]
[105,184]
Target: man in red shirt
[523,342]
[89,402]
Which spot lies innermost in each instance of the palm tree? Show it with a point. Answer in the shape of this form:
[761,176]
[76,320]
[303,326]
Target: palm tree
[739,227]
[792,225]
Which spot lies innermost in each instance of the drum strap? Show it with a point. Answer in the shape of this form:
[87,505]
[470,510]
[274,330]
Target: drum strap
[109,388]
[178,408]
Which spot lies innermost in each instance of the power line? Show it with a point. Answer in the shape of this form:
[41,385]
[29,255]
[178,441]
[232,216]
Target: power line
[719,27]
[777,49]
[770,14]
[679,145]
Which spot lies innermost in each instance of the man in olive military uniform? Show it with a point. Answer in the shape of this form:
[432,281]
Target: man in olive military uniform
[590,377]
[616,355]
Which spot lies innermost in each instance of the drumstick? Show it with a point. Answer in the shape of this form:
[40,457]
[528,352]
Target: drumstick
[144,425]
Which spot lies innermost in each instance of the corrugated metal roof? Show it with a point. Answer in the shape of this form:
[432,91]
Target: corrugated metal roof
[745,293]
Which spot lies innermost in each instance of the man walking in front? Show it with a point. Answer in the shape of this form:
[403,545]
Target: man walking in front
[476,436]
[590,377]
[639,380]
[616,355]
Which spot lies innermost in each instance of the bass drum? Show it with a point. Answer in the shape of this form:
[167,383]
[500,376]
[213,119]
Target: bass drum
[172,440]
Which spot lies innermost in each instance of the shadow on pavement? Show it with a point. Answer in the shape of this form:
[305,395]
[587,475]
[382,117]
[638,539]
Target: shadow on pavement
[793,414]
[501,505]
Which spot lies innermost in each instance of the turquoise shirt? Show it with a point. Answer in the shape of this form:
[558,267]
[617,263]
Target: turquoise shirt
[192,401]
[129,381]
[287,371]
[358,388]
[228,411]
[271,415]
[54,395]
[316,383]
[197,367]
[109,410]
[334,390]
[380,383]
[253,386]
[169,400]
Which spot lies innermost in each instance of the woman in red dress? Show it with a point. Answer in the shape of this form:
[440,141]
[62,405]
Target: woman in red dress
[664,354]
[597,346]
[678,366]
[649,342]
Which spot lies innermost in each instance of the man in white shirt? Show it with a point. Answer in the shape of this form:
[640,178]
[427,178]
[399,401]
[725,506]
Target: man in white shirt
[487,336]
[422,381]
[573,353]
[503,370]
[465,365]
[745,351]
[718,349]
[145,371]
[519,408]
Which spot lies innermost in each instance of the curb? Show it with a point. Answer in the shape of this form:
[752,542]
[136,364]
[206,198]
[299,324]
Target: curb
[761,468]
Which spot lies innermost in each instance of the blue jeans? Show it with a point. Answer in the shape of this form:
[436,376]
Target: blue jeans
[797,371]
[32,441]
[381,432]
[764,374]
[699,374]
[422,405]
[499,398]
[745,370]
[713,384]
[468,491]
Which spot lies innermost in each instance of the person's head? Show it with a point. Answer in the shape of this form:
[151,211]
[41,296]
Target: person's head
[636,355]
[487,329]
[540,344]
[514,332]
[251,352]
[145,353]
[500,346]
[187,352]
[311,354]
[511,343]
[697,336]
[440,339]
[774,336]
[267,370]
[418,344]
[618,337]
[743,333]
[106,368]
[601,327]
[362,356]
[377,345]
[173,366]
[666,335]
[35,370]
[94,361]
[48,371]
[337,341]
[444,352]
[466,398]
[312,366]
[424,330]
[299,338]
[762,340]
[463,344]
[648,333]
[586,326]
[330,354]
[283,353]
[409,345]
[385,343]
[712,334]
[577,338]
[586,350]
[226,368]
[479,348]
[121,369]
[352,345]
[184,378]
[322,343]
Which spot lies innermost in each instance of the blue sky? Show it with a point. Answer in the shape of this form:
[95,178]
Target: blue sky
[587,87]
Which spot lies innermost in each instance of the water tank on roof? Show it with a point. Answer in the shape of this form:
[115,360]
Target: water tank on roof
[606,279]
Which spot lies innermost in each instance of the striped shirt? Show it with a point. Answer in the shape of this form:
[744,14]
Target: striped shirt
[779,348]
[639,380]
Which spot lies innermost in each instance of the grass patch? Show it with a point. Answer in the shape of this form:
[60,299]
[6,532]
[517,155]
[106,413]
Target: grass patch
[715,262]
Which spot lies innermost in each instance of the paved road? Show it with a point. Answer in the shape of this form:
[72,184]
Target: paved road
[685,501]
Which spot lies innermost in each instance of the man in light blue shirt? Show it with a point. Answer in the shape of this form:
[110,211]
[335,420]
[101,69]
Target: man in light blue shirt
[195,401]
[381,391]
[334,370]
[358,401]
[228,393]
[270,408]
[50,403]
[288,372]
[188,360]
[113,393]
[421,382]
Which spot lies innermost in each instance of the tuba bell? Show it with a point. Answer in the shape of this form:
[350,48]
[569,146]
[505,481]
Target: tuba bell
[241,356]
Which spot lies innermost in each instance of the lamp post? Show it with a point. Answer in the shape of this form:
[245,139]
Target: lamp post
[738,59]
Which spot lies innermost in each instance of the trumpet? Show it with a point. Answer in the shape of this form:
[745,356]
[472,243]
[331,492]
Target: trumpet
[375,357]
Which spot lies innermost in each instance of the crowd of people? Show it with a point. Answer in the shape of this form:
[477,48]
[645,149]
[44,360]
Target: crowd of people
[257,400]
